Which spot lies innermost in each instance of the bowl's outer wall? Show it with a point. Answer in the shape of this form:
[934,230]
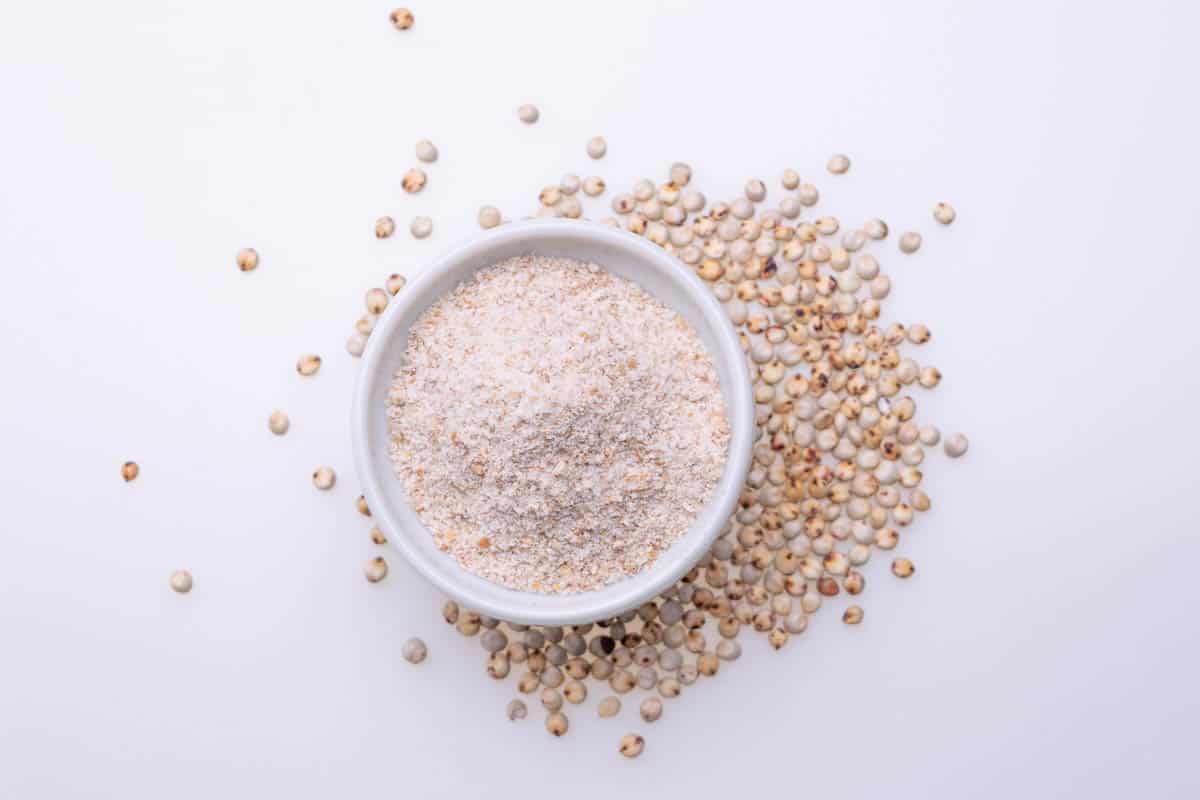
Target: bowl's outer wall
[627,256]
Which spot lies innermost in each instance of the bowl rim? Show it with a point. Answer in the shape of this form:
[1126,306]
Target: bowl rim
[739,413]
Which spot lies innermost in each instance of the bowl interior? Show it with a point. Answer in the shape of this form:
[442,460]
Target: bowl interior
[627,256]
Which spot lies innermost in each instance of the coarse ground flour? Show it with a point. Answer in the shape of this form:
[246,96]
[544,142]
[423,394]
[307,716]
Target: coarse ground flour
[555,427]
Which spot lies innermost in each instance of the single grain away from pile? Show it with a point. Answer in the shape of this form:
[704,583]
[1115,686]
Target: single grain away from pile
[556,428]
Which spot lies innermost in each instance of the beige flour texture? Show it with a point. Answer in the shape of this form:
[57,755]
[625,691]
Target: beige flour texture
[556,428]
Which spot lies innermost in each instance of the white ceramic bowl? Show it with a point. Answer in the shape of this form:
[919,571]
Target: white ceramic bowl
[627,256]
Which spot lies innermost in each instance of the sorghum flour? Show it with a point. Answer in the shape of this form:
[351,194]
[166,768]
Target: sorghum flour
[556,428]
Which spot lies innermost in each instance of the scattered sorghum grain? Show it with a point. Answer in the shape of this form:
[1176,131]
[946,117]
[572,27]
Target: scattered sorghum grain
[278,423]
[556,723]
[569,184]
[651,709]
[376,301]
[395,283]
[384,227]
[307,365]
[376,569]
[181,581]
[574,691]
[426,151]
[632,745]
[247,259]
[551,699]
[414,650]
[609,706]
[956,445]
[402,19]
[489,217]
[324,478]
[414,180]
[593,186]
[838,164]
[420,227]
[597,147]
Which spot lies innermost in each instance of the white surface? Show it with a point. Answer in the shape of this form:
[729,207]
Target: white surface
[1047,646]
[626,256]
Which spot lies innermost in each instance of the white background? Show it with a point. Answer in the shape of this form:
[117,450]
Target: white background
[1047,646]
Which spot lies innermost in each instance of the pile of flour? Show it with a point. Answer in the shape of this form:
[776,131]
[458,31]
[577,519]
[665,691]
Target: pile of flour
[556,428]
